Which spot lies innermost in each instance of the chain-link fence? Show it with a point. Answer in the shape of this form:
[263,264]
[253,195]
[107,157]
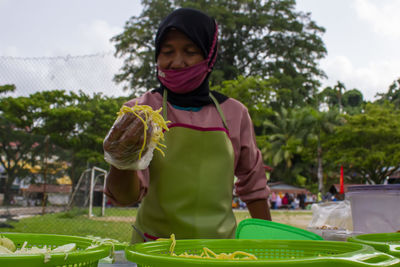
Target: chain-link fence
[58,205]
[90,73]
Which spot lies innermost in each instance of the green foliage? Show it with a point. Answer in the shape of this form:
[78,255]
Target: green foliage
[257,38]
[301,180]
[136,45]
[349,101]
[19,144]
[7,88]
[255,93]
[368,143]
[75,124]
[287,134]
[392,95]
[353,102]
[320,124]
[78,123]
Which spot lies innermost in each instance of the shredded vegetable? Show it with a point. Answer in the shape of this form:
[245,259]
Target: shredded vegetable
[98,241]
[208,253]
[46,251]
[151,116]
[7,243]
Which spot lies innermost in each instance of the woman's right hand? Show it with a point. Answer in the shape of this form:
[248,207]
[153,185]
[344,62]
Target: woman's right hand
[124,141]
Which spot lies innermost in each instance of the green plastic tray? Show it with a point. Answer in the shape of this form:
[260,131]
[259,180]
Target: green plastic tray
[80,257]
[262,229]
[269,253]
[385,242]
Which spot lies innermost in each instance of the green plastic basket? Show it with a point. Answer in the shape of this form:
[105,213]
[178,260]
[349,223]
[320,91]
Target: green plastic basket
[80,257]
[269,253]
[385,242]
[263,229]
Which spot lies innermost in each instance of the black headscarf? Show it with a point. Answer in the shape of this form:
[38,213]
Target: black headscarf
[199,28]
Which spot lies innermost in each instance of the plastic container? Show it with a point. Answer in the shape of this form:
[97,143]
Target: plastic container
[80,257]
[263,229]
[268,252]
[375,208]
[333,234]
[385,242]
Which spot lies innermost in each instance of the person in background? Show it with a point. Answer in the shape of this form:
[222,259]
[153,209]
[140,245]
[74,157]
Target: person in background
[285,200]
[278,200]
[295,203]
[210,139]
[273,200]
[302,198]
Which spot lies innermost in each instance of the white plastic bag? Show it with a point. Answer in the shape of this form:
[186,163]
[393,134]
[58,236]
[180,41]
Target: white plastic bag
[332,216]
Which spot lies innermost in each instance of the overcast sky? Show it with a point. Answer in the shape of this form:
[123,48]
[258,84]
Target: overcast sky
[361,37]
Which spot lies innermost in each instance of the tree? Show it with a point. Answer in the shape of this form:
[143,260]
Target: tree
[339,88]
[353,102]
[19,145]
[77,123]
[328,96]
[136,45]
[368,143]
[392,95]
[348,101]
[255,93]
[322,123]
[287,135]
[7,88]
[257,38]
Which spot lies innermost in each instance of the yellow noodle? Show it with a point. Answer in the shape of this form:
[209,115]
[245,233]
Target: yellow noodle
[206,251]
[173,243]
[150,116]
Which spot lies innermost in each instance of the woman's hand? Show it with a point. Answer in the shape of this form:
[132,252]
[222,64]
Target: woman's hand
[125,140]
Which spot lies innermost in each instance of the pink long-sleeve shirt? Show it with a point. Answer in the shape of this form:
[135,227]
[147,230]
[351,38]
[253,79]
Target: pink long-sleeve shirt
[251,181]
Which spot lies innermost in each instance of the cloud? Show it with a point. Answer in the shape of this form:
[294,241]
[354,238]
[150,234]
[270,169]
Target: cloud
[89,38]
[9,51]
[99,33]
[3,2]
[371,79]
[383,16]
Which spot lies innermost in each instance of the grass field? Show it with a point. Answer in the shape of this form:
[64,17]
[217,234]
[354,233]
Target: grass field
[117,222]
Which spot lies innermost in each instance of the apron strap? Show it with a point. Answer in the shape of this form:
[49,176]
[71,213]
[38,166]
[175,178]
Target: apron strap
[164,104]
[219,111]
[221,114]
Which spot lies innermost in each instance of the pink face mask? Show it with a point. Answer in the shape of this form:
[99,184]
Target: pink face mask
[187,79]
[184,80]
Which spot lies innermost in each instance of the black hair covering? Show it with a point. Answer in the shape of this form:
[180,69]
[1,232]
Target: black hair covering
[200,28]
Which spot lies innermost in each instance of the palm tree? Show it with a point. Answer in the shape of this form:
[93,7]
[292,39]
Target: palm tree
[339,88]
[286,135]
[322,123]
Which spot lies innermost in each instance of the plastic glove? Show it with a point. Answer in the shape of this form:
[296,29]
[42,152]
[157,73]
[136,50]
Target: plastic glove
[124,142]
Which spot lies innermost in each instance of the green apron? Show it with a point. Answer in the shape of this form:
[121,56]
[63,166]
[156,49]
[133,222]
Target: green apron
[190,189]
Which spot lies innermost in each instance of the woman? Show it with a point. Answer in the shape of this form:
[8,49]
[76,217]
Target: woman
[188,191]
